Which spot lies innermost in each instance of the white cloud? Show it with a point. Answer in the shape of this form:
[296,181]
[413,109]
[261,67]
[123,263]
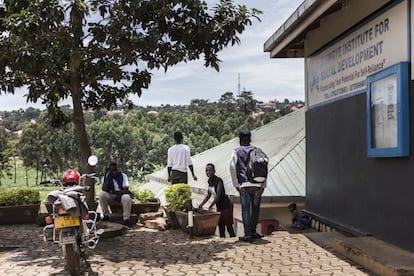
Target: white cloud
[267,78]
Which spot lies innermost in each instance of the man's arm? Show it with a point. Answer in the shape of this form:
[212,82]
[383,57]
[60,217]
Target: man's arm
[205,199]
[233,171]
[169,164]
[105,186]
[192,171]
[189,161]
[169,174]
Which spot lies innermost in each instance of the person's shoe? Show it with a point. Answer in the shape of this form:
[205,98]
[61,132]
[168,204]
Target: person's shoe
[126,223]
[246,239]
[106,218]
[257,236]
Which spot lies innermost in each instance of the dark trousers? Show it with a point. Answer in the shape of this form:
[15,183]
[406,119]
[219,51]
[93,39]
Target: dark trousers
[178,177]
[230,229]
[250,203]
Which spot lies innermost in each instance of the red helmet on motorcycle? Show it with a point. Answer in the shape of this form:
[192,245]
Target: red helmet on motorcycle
[70,177]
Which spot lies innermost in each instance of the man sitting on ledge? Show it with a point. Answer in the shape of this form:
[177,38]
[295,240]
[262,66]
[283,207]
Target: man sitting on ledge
[115,188]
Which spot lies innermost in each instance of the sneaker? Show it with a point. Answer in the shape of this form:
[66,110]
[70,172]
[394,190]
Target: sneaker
[257,236]
[246,239]
[106,218]
[126,223]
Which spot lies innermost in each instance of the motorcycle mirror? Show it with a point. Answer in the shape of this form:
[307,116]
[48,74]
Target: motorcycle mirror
[92,160]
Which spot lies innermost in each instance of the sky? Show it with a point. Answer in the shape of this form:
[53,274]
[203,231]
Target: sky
[268,79]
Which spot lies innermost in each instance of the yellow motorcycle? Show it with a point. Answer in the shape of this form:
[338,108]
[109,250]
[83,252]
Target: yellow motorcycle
[71,224]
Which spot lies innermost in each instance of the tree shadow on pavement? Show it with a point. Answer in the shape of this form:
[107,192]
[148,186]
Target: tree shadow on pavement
[144,247]
[162,248]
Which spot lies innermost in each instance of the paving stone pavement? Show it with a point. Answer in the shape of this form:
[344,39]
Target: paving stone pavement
[141,251]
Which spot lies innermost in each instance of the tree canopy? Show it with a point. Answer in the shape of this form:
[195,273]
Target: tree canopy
[136,138]
[139,140]
[97,52]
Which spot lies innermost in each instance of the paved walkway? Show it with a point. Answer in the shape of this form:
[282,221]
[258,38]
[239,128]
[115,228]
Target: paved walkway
[140,251]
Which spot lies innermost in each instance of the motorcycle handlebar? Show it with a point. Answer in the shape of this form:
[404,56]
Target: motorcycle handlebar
[57,181]
[88,175]
[51,181]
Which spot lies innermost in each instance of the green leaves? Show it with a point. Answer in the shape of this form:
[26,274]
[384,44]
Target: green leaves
[177,196]
[16,197]
[142,196]
[90,50]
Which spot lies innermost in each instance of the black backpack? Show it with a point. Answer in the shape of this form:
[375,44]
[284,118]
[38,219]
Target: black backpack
[257,166]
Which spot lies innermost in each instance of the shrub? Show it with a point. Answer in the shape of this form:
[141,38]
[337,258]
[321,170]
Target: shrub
[15,197]
[177,196]
[142,196]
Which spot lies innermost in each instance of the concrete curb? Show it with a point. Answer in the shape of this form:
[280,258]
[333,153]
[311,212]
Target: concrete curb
[375,255]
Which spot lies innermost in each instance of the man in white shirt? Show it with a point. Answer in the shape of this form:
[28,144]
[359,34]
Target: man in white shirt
[179,158]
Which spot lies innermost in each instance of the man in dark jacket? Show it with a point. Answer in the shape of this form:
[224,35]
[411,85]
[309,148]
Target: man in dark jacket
[250,192]
[115,187]
[299,220]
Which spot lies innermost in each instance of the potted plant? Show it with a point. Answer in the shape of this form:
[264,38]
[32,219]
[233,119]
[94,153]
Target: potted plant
[143,201]
[204,221]
[19,205]
[177,196]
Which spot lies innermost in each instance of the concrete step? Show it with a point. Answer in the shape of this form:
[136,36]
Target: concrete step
[375,255]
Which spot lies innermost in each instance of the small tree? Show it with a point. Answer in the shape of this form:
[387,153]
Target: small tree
[246,103]
[227,103]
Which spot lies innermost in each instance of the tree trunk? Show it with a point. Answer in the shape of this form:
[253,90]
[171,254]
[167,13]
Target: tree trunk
[82,138]
[85,150]
[15,168]
[37,172]
[76,90]
[27,177]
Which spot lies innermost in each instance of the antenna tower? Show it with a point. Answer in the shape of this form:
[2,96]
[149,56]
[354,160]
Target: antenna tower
[238,86]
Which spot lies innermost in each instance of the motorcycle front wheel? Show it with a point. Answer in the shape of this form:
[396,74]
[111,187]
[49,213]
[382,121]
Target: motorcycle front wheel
[72,257]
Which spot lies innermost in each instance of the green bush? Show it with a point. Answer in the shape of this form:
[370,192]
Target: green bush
[142,196]
[20,196]
[177,196]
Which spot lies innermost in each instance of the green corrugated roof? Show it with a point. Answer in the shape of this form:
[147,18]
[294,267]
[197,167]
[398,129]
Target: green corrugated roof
[283,140]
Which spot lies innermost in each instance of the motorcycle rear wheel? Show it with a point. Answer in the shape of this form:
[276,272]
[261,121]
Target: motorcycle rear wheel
[72,259]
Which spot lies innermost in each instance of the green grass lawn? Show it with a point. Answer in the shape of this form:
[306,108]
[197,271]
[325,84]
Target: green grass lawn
[26,178]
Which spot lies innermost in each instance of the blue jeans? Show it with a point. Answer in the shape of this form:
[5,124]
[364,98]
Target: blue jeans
[250,202]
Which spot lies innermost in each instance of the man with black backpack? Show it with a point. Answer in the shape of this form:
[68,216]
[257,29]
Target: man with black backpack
[248,169]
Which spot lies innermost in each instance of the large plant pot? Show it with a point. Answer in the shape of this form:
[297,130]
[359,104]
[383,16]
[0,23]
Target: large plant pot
[205,221]
[137,208]
[19,214]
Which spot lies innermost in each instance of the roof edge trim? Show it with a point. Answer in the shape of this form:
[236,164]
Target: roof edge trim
[293,20]
[299,20]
